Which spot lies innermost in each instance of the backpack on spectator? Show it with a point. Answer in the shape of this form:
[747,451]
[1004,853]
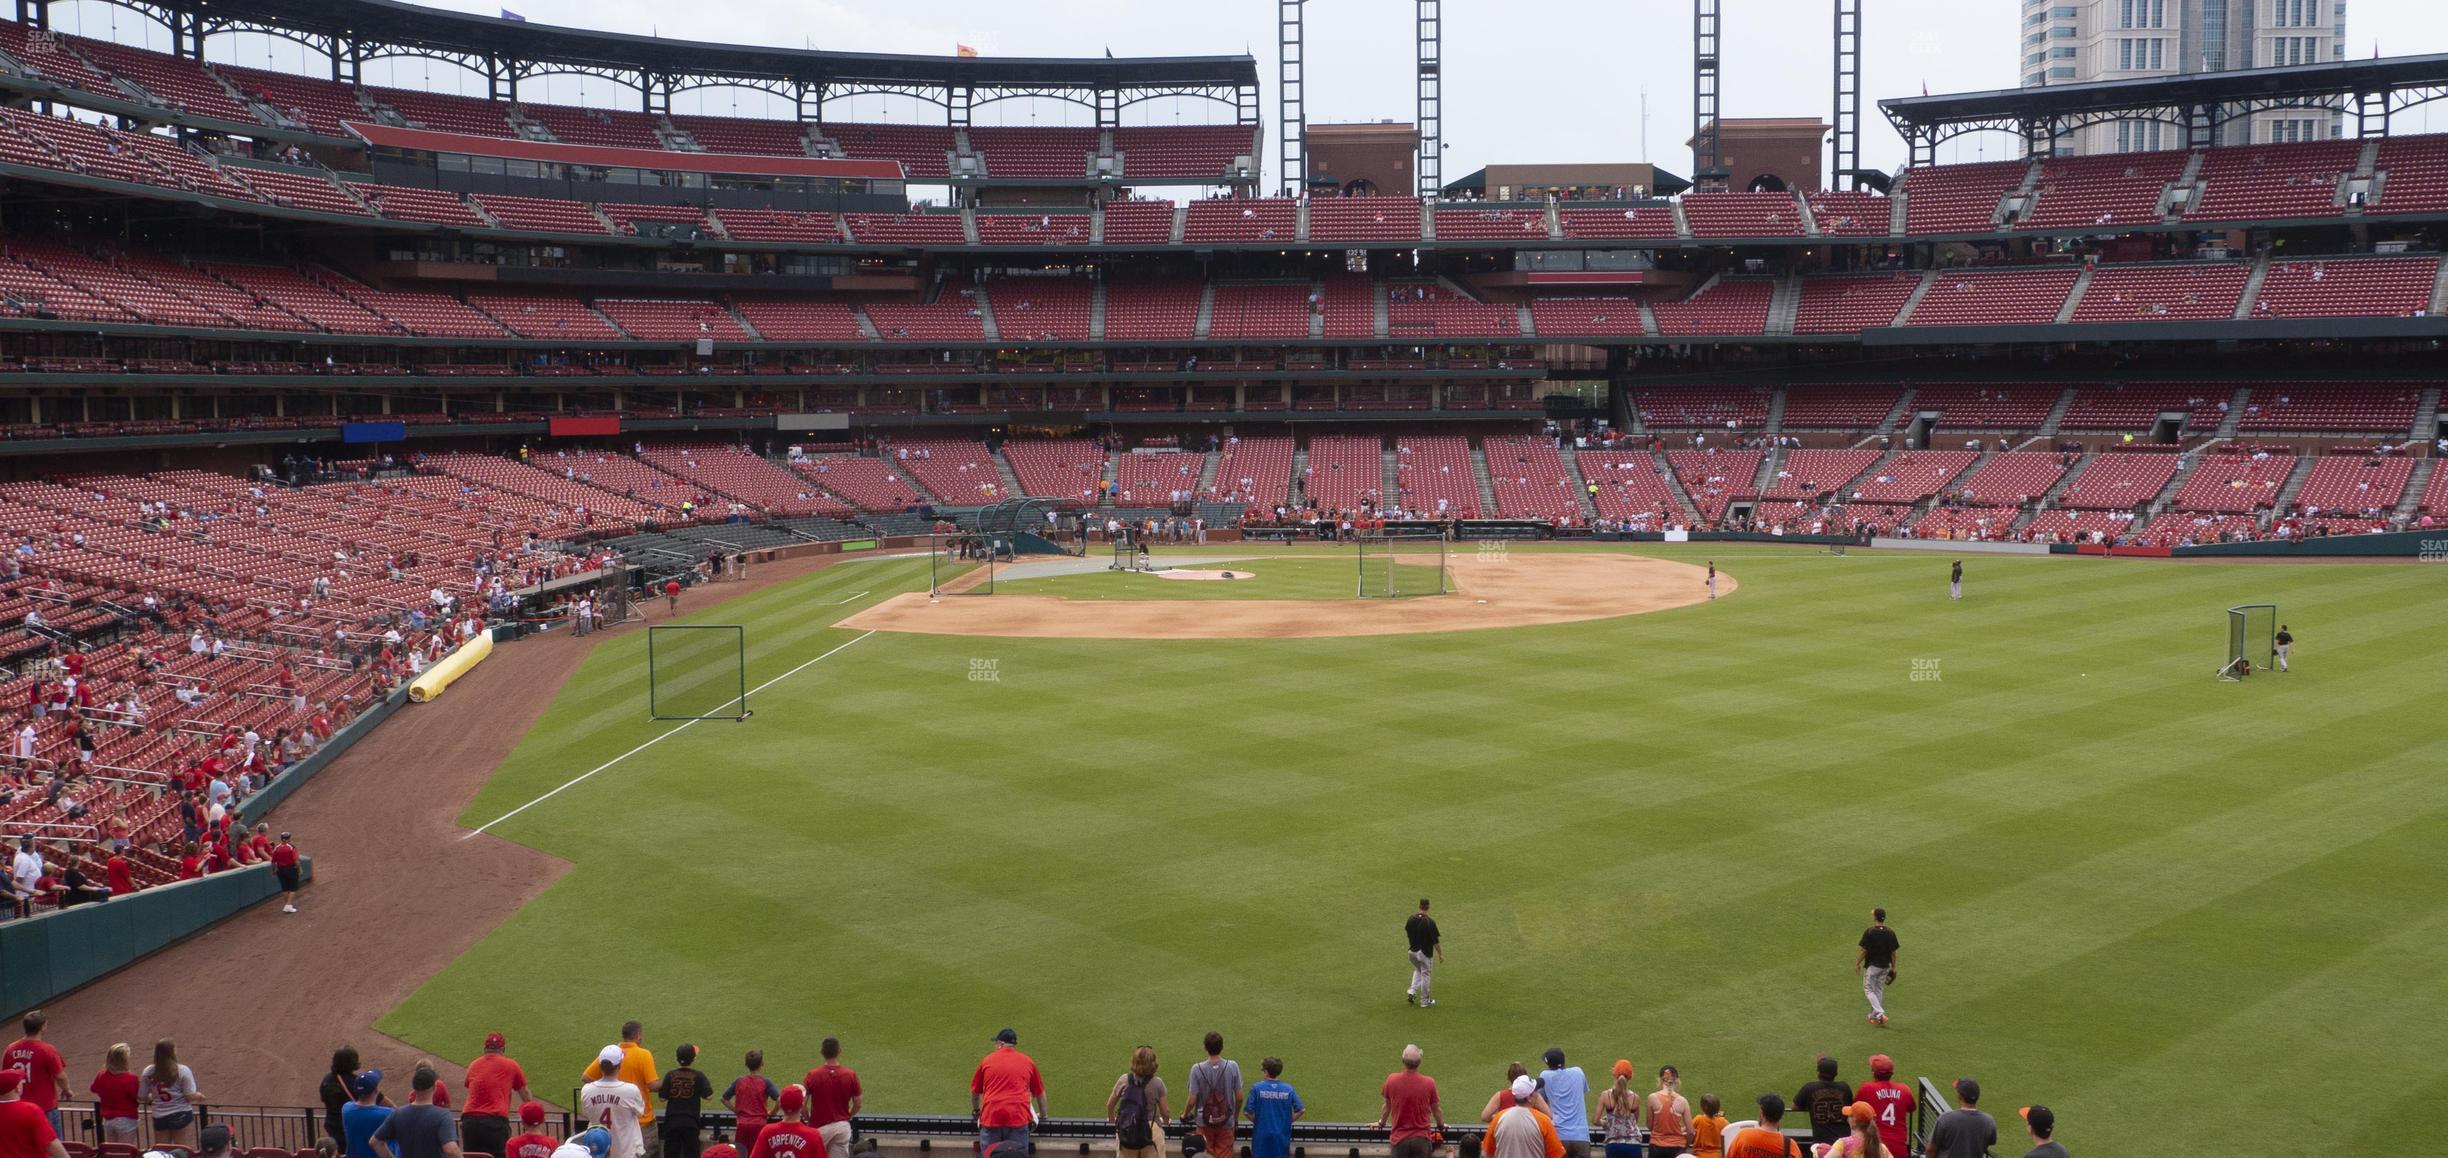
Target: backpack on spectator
[1215,1107]
[1132,1127]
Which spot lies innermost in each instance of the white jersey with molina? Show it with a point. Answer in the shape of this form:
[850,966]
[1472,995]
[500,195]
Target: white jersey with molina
[616,1106]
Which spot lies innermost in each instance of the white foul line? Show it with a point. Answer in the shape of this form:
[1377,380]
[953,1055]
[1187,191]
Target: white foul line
[838,602]
[685,726]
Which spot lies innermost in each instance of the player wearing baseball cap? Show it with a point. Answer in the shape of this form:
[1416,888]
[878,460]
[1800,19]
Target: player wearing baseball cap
[1891,1103]
[614,1105]
[790,1136]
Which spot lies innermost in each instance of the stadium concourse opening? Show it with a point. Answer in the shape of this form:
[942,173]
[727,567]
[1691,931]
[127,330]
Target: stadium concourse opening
[1512,590]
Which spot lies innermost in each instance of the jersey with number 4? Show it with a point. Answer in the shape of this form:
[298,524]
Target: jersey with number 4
[1891,1103]
[615,1105]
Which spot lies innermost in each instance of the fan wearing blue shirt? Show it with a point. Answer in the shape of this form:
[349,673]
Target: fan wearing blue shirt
[1567,1091]
[1272,1108]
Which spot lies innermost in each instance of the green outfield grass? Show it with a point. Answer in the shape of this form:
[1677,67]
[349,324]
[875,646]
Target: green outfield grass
[2166,906]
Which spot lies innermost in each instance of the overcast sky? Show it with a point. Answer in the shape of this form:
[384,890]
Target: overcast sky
[1556,81]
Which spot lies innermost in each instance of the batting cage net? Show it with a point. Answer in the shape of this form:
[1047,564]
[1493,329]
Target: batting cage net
[697,672]
[2252,639]
[1395,565]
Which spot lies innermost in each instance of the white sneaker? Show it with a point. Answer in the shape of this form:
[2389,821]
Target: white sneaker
[288,908]
[1425,1002]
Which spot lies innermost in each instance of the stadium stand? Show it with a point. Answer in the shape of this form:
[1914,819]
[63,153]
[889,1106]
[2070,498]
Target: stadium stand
[2233,483]
[1945,199]
[1035,228]
[1809,474]
[1715,479]
[176,83]
[802,320]
[1631,488]
[2192,291]
[669,320]
[1256,471]
[1345,471]
[2414,176]
[778,225]
[2261,182]
[1632,222]
[868,484]
[1702,407]
[1041,309]
[2386,408]
[1733,306]
[1994,298]
[1912,476]
[1491,224]
[1839,407]
[443,112]
[1271,310]
[1578,317]
[2118,482]
[953,317]
[1433,476]
[1986,408]
[1530,479]
[1742,215]
[744,135]
[957,471]
[1034,152]
[545,316]
[2347,287]
[1229,219]
[2369,486]
[2014,478]
[611,128]
[1843,304]
[407,204]
[1849,214]
[924,150]
[542,214]
[905,228]
[1193,153]
[2133,407]
[1417,310]
[2118,189]
[315,191]
[1334,219]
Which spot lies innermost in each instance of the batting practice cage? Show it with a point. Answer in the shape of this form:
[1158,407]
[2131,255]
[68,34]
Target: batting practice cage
[1394,565]
[955,551]
[2252,640]
[697,672]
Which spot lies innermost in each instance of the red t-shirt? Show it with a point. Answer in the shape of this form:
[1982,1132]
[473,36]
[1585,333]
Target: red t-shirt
[260,846]
[284,856]
[1004,1083]
[122,879]
[752,1098]
[114,1095]
[190,867]
[42,1066]
[1892,1102]
[789,1140]
[530,1146]
[24,1131]
[1411,1100]
[721,1150]
[489,1081]
[671,587]
[829,1090]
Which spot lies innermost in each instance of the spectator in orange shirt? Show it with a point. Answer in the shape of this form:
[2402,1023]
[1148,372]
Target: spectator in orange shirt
[1708,1129]
[1006,1096]
[494,1084]
[1765,1140]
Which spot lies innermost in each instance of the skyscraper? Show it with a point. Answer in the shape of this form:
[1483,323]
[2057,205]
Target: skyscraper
[2073,41]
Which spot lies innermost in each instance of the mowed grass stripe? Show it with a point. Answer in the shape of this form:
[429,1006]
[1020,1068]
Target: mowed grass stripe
[1651,837]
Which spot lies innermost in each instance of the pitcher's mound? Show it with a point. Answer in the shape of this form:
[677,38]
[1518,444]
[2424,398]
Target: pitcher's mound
[1204,576]
[1523,590]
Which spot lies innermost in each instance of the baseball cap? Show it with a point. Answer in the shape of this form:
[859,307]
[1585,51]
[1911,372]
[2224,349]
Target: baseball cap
[214,1140]
[596,1139]
[2043,1120]
[1523,1087]
[1008,1036]
[531,1112]
[1967,1089]
[1555,1058]
[10,1080]
[1860,1112]
[611,1057]
[366,1083]
[1623,1067]
[1882,1066]
[792,1098]
[495,1041]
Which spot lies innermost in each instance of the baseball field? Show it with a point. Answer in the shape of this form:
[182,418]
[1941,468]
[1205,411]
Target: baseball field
[2166,906]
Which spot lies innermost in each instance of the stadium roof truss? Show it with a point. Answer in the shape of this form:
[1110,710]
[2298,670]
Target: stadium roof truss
[2370,91]
[351,33]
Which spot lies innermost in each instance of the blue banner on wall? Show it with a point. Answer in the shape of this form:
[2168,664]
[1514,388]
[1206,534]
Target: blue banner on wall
[373,432]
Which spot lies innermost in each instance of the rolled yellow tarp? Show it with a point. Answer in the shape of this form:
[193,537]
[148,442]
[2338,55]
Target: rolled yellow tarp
[450,667]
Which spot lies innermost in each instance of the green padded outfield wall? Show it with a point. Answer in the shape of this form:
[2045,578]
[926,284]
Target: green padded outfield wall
[51,954]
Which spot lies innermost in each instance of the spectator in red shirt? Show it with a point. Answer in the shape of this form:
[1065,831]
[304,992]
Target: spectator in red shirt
[285,867]
[790,1136]
[122,878]
[494,1082]
[534,1142]
[834,1097]
[1411,1114]
[191,863]
[750,1100]
[1006,1095]
[25,1132]
[46,1075]
[260,844]
[671,594]
[114,1090]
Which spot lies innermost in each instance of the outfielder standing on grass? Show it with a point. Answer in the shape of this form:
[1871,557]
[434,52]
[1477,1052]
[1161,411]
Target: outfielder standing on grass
[1427,948]
[1875,961]
[1955,581]
[1712,579]
[2280,643]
